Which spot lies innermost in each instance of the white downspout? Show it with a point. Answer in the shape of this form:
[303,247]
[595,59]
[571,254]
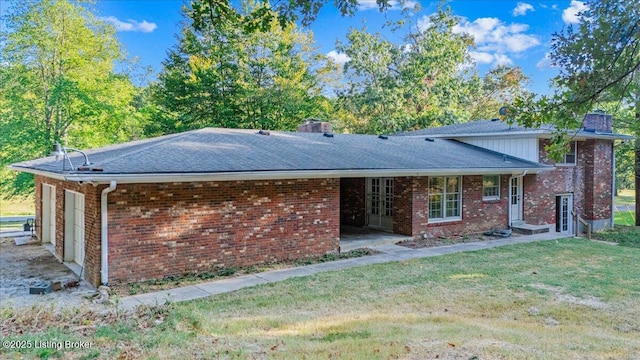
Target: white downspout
[511,190]
[104,235]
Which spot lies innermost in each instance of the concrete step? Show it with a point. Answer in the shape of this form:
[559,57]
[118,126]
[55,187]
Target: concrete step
[528,229]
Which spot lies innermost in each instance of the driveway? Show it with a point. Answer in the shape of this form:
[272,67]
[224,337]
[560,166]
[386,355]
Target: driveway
[23,266]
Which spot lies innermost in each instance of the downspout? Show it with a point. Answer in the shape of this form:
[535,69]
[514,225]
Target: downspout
[511,189]
[104,235]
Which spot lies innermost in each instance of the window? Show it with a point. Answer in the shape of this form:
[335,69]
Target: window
[491,187]
[445,198]
[570,157]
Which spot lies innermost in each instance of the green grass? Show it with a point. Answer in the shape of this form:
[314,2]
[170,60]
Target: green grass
[623,235]
[624,217]
[625,197]
[565,299]
[17,206]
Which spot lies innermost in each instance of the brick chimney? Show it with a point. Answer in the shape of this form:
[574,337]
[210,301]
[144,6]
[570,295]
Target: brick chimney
[314,126]
[598,122]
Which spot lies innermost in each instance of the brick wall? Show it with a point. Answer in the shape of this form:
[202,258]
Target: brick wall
[598,180]
[91,219]
[166,229]
[353,201]
[589,181]
[477,215]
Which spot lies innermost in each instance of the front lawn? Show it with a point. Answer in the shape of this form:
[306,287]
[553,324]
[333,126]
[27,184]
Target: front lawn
[564,299]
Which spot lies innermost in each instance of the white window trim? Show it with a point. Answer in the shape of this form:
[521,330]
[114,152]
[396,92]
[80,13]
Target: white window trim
[563,163]
[491,198]
[431,220]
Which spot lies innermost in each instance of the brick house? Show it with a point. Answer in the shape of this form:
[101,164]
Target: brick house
[212,198]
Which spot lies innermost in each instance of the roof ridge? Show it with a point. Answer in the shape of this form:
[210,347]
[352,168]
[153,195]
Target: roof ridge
[169,137]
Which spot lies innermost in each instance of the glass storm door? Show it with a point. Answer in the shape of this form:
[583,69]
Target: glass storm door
[515,201]
[380,203]
[564,206]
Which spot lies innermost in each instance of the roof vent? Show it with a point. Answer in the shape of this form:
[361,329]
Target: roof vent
[429,139]
[264,132]
[383,137]
[328,134]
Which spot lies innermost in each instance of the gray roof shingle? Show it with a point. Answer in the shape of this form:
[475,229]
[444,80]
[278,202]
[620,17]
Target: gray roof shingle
[214,150]
[497,127]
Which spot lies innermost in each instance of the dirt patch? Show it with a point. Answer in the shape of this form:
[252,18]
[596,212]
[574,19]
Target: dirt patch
[433,242]
[589,301]
[29,265]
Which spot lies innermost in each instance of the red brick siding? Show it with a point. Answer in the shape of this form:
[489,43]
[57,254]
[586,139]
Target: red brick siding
[477,215]
[598,179]
[353,201]
[91,220]
[165,229]
[589,181]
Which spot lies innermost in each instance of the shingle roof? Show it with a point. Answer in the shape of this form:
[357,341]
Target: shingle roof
[214,150]
[497,127]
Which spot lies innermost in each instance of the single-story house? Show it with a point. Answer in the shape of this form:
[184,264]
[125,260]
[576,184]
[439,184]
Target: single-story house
[210,198]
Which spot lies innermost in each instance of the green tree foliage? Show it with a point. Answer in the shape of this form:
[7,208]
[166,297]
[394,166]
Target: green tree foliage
[427,81]
[499,87]
[599,63]
[58,84]
[214,13]
[225,77]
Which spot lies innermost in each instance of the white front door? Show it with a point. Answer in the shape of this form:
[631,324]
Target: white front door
[380,203]
[48,214]
[515,200]
[564,207]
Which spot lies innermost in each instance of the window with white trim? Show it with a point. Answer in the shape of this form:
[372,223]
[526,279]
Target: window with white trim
[491,187]
[570,157]
[445,198]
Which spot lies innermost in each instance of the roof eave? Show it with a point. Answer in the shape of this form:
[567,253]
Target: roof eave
[273,175]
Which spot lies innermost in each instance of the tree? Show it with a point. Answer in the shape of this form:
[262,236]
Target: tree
[424,82]
[599,62]
[498,87]
[58,84]
[223,76]
[215,13]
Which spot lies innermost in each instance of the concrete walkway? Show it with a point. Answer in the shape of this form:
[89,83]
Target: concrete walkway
[389,253]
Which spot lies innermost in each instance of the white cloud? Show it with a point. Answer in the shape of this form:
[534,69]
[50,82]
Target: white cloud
[339,58]
[522,9]
[491,34]
[130,25]
[486,58]
[481,57]
[570,14]
[544,63]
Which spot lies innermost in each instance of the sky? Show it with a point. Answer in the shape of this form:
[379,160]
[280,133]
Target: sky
[508,32]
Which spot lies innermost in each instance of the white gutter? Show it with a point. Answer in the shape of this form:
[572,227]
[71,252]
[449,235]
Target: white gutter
[100,178]
[104,234]
[510,194]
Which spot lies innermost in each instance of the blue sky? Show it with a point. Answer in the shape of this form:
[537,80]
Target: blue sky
[505,31]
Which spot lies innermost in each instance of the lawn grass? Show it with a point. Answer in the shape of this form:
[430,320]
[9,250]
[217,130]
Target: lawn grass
[625,217]
[625,197]
[565,299]
[621,234]
[17,206]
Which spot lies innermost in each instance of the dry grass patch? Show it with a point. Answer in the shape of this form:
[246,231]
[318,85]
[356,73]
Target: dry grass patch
[567,299]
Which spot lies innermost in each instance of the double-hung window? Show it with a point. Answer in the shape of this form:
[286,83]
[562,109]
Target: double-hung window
[491,187]
[445,198]
[570,157]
